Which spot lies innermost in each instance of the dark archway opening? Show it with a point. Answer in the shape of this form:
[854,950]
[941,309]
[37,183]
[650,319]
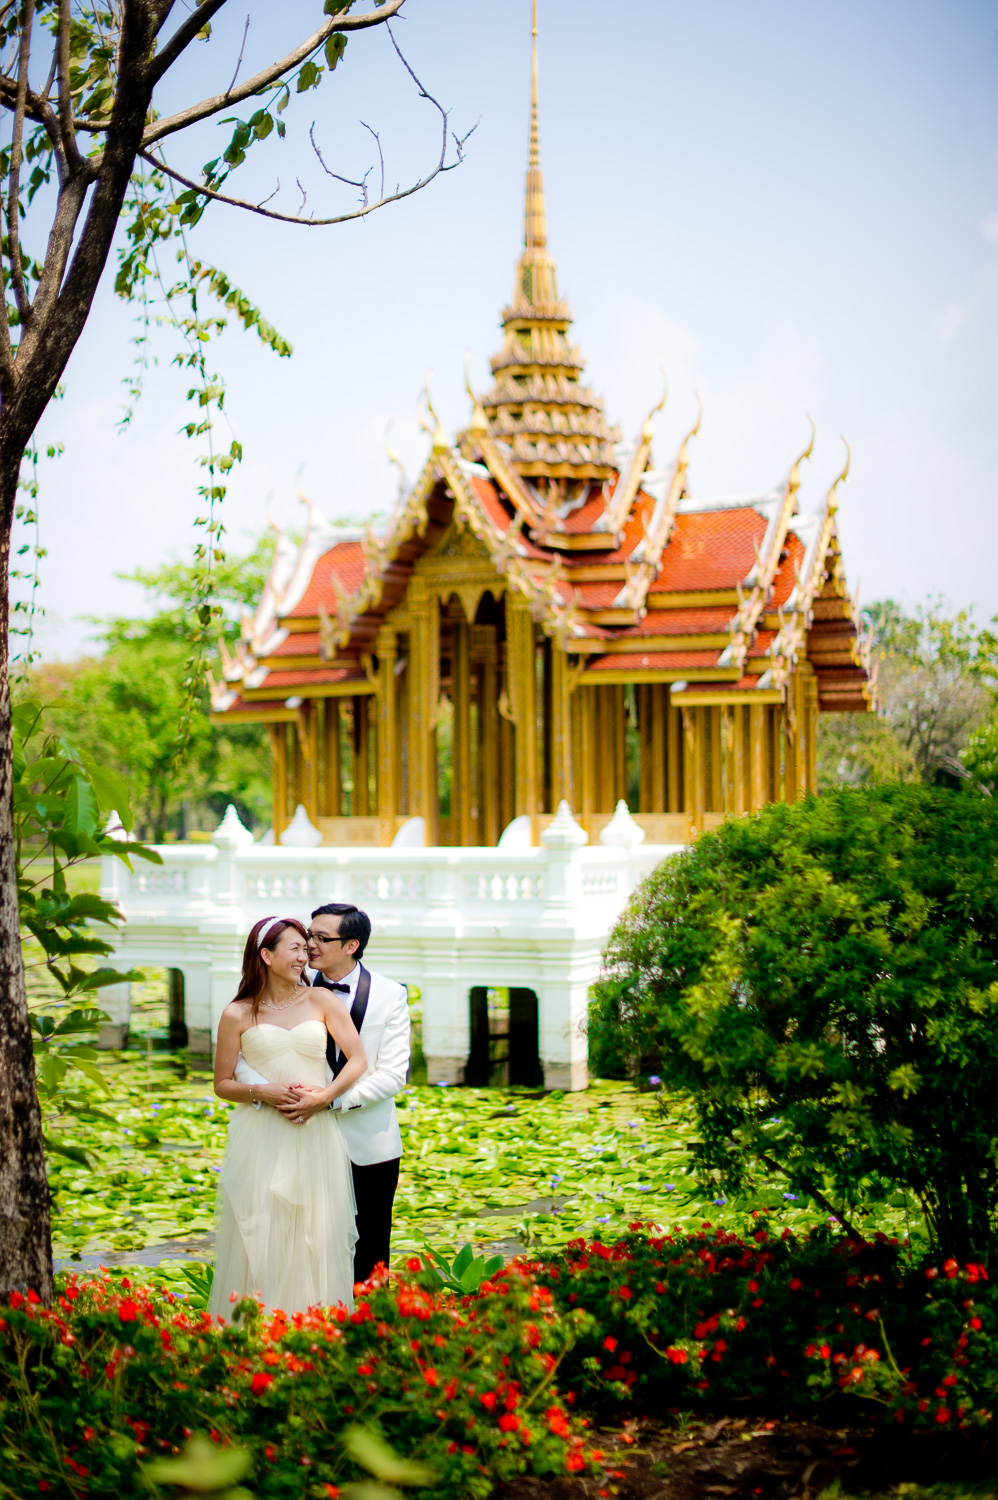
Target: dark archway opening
[504,1038]
[175,999]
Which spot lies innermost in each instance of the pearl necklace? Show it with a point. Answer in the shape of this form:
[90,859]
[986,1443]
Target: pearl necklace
[273,1005]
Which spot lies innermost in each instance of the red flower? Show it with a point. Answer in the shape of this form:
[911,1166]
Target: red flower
[610,1343]
[574,1462]
[557,1421]
[17,1301]
[261,1380]
[676,1356]
[128,1311]
[508,1422]
[414,1263]
[796,1284]
[943,1414]
[331,1491]
[489,1400]
[270,1453]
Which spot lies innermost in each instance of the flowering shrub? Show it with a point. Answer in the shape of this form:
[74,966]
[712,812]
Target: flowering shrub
[711,1317]
[112,1375]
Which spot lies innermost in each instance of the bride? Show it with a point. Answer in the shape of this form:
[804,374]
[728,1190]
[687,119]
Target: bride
[284,1216]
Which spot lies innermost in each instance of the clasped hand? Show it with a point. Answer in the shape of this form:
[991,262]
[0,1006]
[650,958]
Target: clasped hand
[302,1102]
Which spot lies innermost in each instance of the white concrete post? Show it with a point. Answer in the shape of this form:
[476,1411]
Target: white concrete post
[116,1000]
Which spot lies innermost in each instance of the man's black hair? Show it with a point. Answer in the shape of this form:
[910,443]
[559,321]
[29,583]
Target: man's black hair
[354,923]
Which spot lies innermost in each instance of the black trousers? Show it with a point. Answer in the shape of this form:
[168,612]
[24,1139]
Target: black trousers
[374,1187]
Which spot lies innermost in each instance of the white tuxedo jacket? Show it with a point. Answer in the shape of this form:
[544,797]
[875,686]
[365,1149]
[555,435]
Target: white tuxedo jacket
[367,1111]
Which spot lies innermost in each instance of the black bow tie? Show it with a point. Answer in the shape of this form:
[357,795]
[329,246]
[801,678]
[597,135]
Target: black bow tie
[344,989]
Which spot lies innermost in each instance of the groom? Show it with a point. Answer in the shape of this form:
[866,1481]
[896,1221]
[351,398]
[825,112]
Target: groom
[380,1011]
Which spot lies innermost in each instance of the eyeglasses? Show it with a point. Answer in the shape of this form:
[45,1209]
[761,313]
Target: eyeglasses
[320,937]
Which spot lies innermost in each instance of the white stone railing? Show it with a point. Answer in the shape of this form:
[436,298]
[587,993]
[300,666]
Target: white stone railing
[443,919]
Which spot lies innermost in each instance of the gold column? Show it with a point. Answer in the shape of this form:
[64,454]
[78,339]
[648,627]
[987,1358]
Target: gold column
[361,800]
[713,730]
[280,780]
[674,759]
[726,738]
[485,653]
[757,757]
[584,750]
[739,778]
[331,800]
[658,700]
[694,770]
[605,742]
[811,710]
[308,739]
[522,691]
[462,792]
[387,649]
[620,743]
[561,730]
[424,693]
[402,726]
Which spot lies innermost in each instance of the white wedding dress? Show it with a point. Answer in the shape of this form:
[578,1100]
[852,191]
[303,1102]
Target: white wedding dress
[284,1215]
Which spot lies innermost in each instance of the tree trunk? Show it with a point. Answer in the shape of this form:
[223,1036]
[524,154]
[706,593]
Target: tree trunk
[25,1225]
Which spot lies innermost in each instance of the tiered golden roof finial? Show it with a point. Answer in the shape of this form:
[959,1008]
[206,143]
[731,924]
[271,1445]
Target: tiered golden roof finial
[553,426]
[535,222]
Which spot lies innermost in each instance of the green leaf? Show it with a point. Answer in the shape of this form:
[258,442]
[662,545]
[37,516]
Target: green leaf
[371,1452]
[81,808]
[82,1157]
[334,48]
[202,1467]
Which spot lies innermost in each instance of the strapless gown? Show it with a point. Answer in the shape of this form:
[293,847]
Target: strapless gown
[284,1214]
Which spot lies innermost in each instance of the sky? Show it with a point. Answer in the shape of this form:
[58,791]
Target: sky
[789,208]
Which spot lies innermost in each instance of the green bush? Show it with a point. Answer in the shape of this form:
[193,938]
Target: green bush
[822,978]
[113,1376]
[701,1320]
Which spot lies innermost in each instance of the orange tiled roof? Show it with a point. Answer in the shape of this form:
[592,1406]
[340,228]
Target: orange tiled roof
[659,661]
[710,549]
[347,560]
[299,643]
[278,678]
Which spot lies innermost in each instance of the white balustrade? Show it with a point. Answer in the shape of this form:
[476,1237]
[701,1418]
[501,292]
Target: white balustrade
[443,919]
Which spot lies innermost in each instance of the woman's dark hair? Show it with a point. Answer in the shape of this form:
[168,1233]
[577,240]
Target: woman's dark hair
[354,923]
[254,976]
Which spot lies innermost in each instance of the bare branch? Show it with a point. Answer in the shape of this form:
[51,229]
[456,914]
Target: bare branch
[269,213]
[350,181]
[381,156]
[239,63]
[14,178]
[261,80]
[304,196]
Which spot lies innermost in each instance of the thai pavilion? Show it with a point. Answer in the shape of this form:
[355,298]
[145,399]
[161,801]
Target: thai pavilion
[550,614]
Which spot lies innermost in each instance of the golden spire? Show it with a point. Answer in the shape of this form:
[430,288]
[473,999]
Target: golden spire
[535,226]
[551,424]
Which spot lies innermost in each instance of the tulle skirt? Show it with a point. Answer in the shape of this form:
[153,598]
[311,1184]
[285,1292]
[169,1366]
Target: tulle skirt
[284,1215]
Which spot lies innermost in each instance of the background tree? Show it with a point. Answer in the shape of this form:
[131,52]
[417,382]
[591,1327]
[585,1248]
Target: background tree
[822,978]
[85,144]
[937,679]
[121,709]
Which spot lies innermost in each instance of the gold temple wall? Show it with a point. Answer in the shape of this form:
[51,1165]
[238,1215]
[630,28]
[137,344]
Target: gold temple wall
[525,733]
